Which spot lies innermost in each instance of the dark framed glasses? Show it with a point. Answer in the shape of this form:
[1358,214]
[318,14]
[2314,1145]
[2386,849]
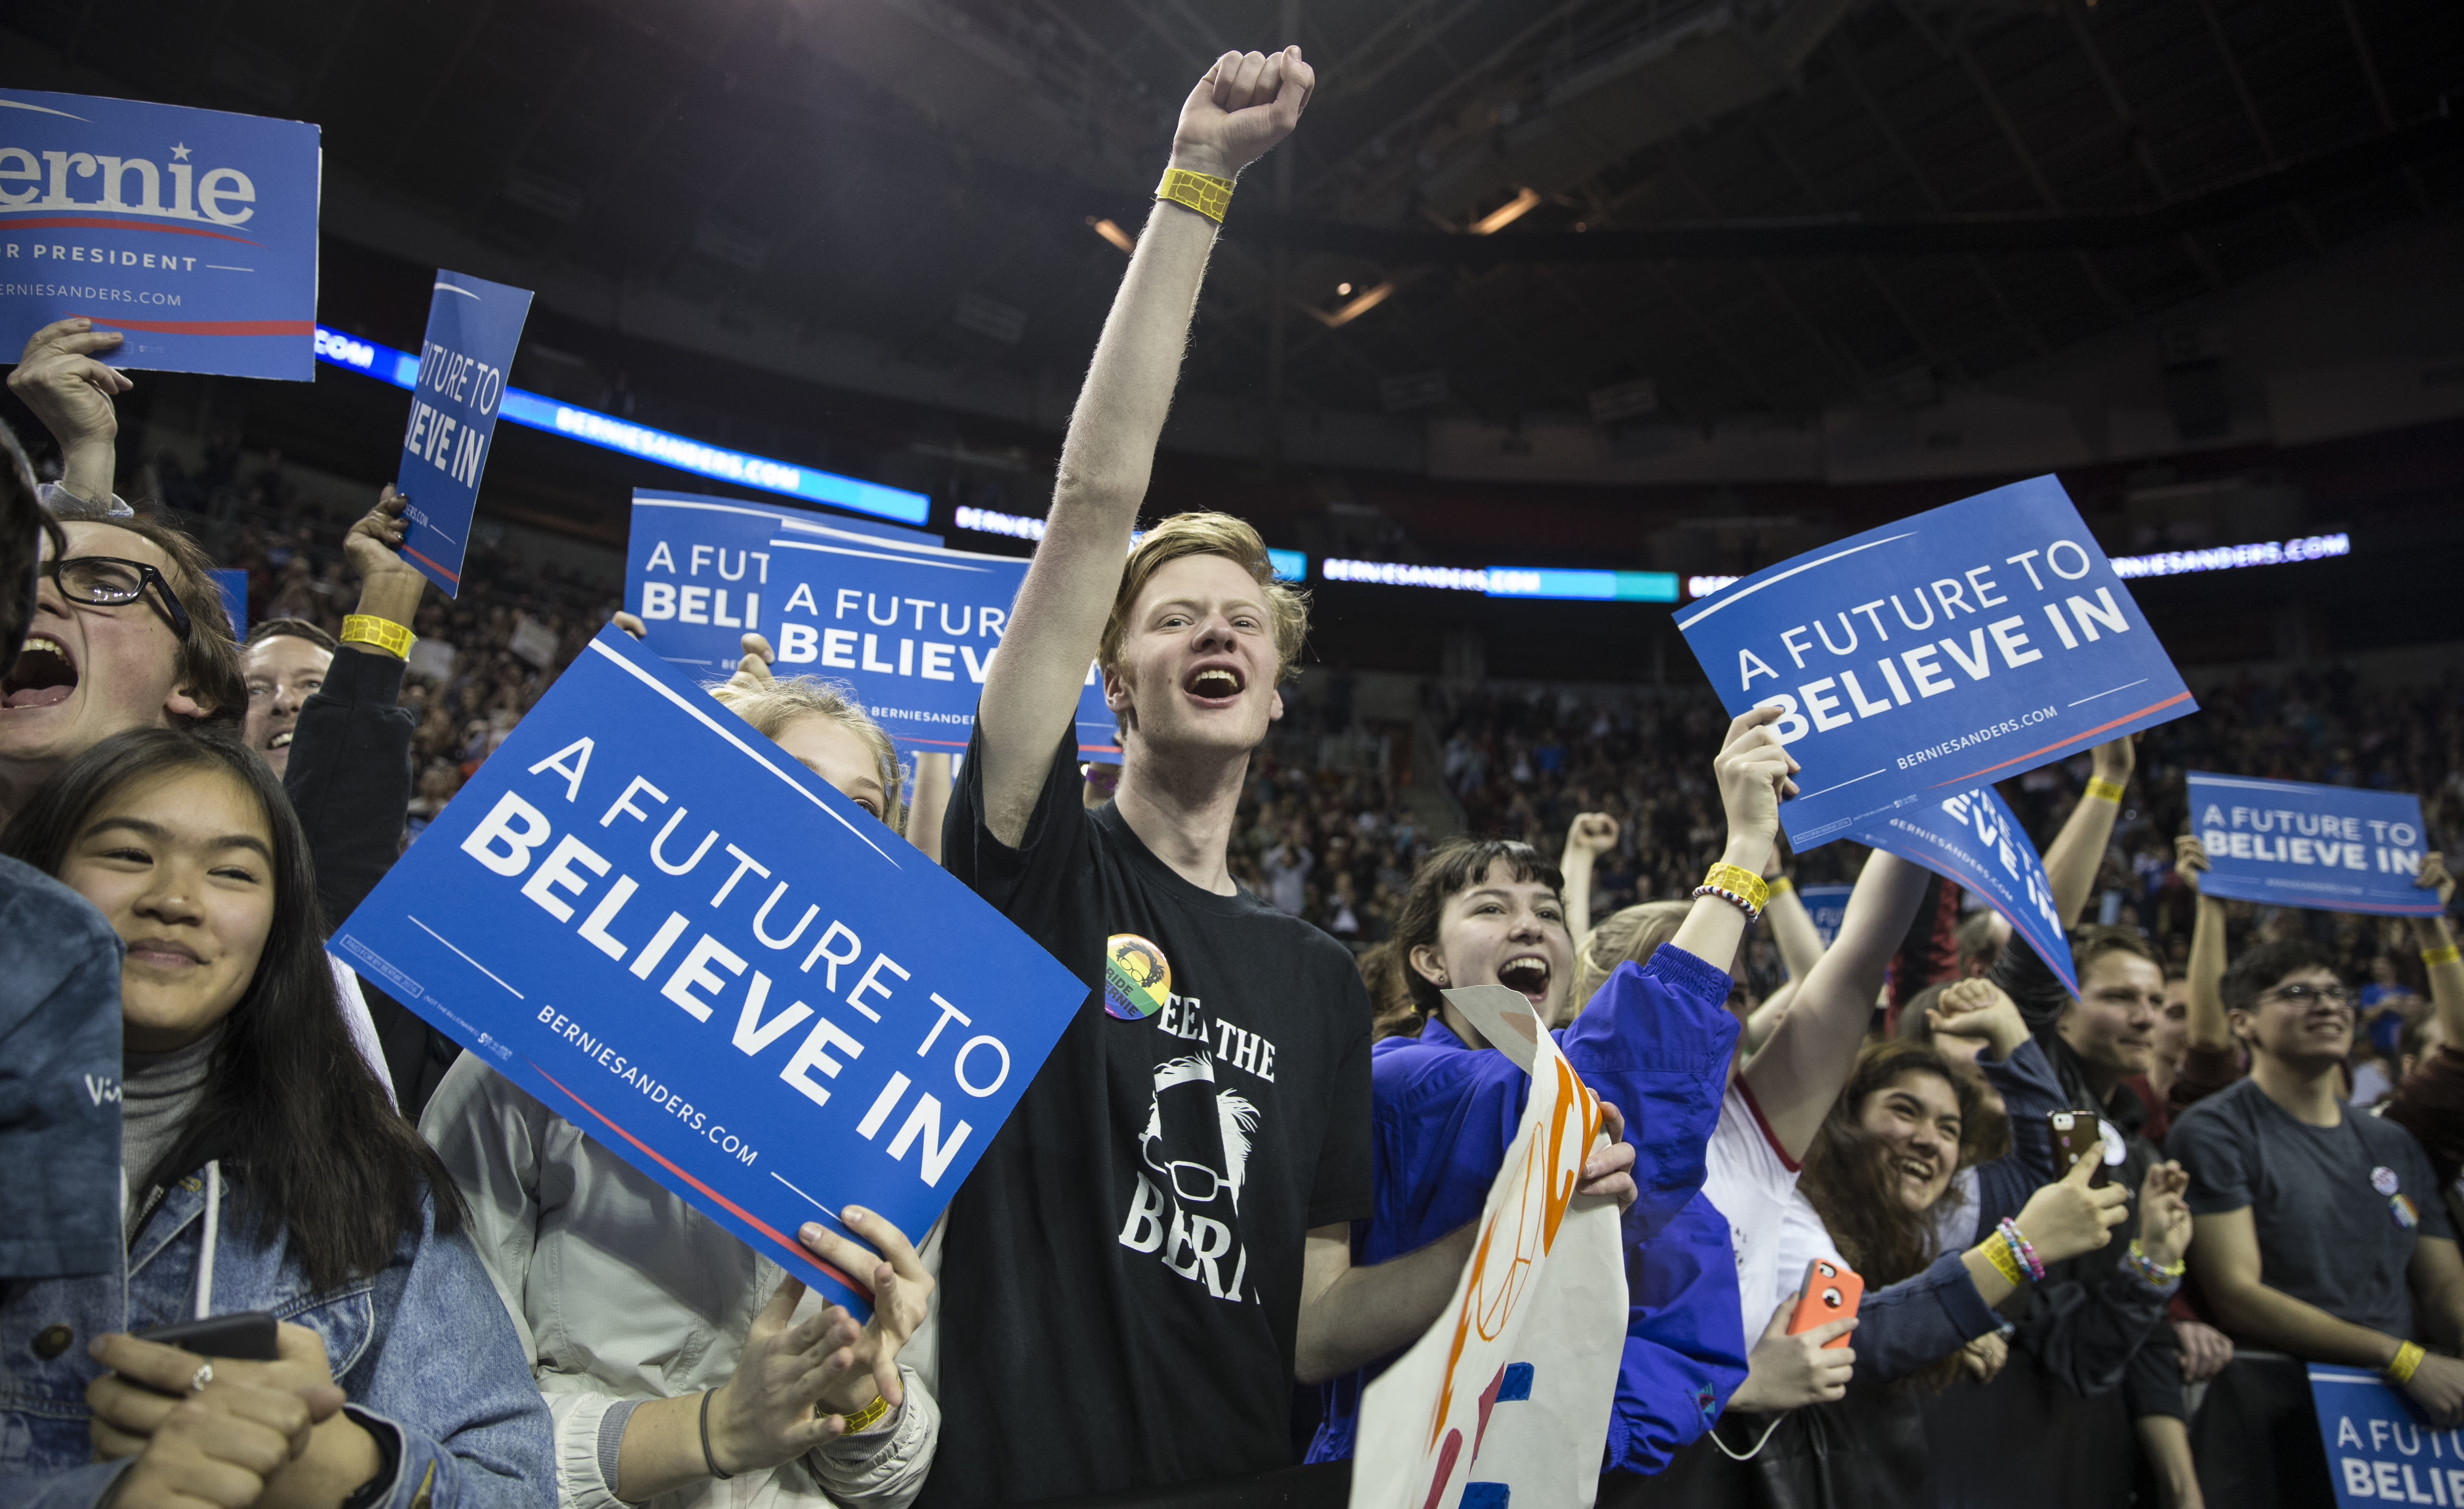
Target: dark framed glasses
[105,581]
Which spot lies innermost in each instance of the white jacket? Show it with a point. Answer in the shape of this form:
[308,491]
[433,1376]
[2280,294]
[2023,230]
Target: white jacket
[621,1291]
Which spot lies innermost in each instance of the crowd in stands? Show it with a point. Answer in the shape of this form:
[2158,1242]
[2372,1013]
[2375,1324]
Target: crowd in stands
[262,1244]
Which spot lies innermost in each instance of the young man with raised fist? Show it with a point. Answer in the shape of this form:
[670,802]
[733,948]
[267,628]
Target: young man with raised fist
[1157,1242]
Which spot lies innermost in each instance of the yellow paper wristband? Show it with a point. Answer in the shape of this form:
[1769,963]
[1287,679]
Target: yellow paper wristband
[1743,881]
[1204,192]
[2407,1357]
[865,1418]
[1997,1252]
[1778,883]
[383,632]
[2110,790]
[2435,957]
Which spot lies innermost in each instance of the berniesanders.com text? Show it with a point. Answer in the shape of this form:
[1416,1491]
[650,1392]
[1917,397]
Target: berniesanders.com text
[1969,741]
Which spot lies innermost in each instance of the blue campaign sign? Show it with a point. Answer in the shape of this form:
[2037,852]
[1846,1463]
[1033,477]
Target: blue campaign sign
[647,916]
[2379,1451]
[2330,848]
[193,231]
[1827,905]
[911,626]
[474,327]
[1974,838]
[1964,644]
[230,584]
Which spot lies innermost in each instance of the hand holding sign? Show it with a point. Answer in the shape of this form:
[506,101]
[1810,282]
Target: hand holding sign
[71,389]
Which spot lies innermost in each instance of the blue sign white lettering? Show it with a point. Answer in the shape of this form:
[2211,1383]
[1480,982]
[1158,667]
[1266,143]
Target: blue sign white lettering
[650,918]
[911,626]
[2330,848]
[474,328]
[1828,906]
[1974,838]
[1965,644]
[2378,1449]
[193,231]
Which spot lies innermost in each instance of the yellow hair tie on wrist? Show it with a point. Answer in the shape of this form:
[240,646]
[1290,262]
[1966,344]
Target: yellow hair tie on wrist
[2407,1357]
[2435,957]
[1204,192]
[383,632]
[2110,790]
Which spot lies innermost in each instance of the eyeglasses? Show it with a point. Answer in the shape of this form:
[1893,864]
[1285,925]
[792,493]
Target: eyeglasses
[1195,1184]
[106,581]
[2303,995]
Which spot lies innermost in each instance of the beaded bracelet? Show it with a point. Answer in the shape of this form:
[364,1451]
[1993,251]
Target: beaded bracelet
[2160,1274]
[1753,913]
[2021,1250]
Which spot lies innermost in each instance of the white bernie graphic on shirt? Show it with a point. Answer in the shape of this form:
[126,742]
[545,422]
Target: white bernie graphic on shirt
[1235,1120]
[1184,1178]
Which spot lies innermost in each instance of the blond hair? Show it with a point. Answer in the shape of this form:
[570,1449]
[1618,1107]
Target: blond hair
[1208,534]
[1632,933]
[772,706]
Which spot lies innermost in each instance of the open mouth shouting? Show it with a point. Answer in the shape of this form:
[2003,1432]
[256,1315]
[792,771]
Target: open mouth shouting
[42,676]
[1217,686]
[1529,975]
[1917,1170]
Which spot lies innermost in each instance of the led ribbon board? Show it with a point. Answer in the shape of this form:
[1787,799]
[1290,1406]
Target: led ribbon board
[521,406]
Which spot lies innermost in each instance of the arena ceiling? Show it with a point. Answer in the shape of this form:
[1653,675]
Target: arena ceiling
[1702,208]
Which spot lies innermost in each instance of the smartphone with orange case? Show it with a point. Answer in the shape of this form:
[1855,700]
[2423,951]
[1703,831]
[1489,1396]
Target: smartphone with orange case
[1831,1291]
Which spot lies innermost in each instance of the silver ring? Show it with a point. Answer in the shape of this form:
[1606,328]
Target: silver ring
[205,1375]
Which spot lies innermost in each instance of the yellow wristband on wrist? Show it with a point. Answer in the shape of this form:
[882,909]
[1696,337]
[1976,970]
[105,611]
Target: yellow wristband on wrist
[383,632]
[1204,192]
[865,1418]
[1997,1252]
[2407,1357]
[1743,881]
[2435,957]
[2110,790]
[1778,883]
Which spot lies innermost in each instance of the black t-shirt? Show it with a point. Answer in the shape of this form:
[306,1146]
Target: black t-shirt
[1120,1277]
[2338,1210]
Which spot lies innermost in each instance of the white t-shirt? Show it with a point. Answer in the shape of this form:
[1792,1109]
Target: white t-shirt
[1772,1227]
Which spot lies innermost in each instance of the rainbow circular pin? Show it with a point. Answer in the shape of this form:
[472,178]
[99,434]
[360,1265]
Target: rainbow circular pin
[1137,978]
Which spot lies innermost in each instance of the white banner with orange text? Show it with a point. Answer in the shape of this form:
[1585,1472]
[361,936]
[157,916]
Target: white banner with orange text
[1506,1400]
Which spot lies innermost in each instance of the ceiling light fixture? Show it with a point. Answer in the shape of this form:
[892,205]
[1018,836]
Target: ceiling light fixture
[1523,203]
[1344,289]
[1360,303]
[1114,233]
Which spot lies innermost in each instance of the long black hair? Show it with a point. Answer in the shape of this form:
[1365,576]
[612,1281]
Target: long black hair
[314,1147]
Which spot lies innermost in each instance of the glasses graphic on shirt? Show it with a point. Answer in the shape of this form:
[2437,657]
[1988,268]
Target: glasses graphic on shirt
[2303,995]
[1194,1183]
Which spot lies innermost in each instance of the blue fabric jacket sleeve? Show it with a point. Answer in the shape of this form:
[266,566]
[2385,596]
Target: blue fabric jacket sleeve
[1684,1340]
[1918,1321]
[1655,1042]
[2029,1092]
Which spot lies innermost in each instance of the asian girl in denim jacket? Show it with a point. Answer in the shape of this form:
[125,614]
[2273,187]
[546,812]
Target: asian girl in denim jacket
[264,1169]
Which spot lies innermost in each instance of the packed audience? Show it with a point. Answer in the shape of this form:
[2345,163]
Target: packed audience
[253,1255]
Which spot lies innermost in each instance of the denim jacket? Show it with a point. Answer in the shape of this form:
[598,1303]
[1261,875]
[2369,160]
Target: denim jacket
[421,1349]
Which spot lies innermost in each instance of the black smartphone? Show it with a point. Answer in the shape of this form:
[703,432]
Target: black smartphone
[247,1335]
[2076,1136]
